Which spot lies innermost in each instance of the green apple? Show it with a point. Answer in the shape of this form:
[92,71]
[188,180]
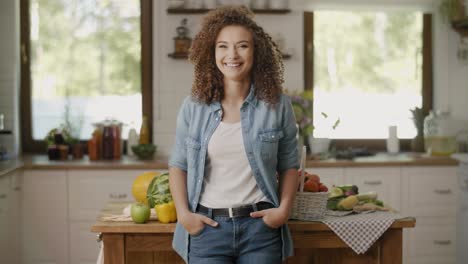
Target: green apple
[140,213]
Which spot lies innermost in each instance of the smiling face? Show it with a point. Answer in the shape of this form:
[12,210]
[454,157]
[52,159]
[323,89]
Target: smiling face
[234,52]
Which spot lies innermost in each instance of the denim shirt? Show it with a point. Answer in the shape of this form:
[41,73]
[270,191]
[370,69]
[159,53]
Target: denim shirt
[269,135]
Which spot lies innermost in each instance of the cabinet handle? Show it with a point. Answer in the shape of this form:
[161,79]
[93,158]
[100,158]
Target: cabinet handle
[373,182]
[443,191]
[442,242]
[3,196]
[118,196]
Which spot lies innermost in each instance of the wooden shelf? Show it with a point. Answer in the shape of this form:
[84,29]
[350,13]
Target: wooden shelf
[461,26]
[180,56]
[188,11]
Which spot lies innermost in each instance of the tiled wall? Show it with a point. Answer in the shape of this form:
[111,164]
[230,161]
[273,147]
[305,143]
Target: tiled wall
[9,73]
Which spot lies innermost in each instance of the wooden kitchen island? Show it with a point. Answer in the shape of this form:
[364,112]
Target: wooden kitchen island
[314,242]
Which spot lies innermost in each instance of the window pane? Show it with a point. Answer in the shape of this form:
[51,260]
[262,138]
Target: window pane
[367,72]
[85,64]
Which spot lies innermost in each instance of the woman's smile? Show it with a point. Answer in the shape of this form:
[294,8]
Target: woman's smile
[234,52]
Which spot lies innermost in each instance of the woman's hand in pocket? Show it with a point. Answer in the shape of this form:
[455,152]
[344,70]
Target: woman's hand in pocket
[194,223]
[273,217]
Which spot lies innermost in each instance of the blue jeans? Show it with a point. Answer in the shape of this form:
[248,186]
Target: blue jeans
[240,240]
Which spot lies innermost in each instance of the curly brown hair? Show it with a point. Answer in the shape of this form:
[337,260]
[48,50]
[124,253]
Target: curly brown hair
[267,70]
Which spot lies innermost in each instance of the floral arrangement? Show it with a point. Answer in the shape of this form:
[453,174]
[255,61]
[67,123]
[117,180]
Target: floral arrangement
[302,106]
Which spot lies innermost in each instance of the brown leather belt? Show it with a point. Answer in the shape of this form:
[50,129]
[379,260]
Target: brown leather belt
[236,211]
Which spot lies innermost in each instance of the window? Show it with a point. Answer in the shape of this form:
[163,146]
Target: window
[84,61]
[368,69]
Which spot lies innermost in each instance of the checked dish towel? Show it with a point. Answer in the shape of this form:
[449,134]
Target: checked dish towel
[360,231]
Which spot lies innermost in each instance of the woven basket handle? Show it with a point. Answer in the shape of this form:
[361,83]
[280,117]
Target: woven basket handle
[302,167]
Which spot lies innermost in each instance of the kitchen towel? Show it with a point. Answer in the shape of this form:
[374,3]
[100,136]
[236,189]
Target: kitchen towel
[360,231]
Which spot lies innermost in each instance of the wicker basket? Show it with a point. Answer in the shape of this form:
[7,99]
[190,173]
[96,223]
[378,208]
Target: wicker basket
[309,206]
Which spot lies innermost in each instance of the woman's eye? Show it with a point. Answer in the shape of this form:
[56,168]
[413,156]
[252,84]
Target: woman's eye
[222,46]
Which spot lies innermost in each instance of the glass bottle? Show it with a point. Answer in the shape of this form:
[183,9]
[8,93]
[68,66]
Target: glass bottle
[144,131]
[107,143]
[116,141]
[439,137]
[132,141]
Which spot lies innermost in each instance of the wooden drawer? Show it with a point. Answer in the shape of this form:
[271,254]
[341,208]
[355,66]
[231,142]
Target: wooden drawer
[430,191]
[433,240]
[90,190]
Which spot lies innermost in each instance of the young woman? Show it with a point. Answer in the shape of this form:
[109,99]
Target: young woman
[233,169]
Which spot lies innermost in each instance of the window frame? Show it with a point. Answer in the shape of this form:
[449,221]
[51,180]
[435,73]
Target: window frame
[427,81]
[29,145]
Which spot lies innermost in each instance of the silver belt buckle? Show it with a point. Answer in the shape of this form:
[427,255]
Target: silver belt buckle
[230,212]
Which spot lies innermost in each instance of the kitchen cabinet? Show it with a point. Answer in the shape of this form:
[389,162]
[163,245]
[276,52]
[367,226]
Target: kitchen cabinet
[432,241]
[89,191]
[430,191]
[44,218]
[429,194]
[9,215]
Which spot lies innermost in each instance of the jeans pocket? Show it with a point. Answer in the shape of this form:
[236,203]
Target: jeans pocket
[199,233]
[267,226]
[269,144]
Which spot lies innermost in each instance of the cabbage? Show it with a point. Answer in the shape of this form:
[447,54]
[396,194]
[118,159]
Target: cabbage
[158,190]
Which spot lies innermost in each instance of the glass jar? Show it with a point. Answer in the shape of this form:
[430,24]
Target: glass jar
[439,137]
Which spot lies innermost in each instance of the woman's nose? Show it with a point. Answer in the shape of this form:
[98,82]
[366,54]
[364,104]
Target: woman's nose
[233,53]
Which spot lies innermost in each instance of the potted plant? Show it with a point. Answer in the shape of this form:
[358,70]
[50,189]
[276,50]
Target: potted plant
[417,143]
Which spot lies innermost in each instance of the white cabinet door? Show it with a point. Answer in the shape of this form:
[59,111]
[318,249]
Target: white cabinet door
[84,248]
[432,241]
[91,190]
[430,191]
[383,180]
[5,224]
[44,217]
[329,176]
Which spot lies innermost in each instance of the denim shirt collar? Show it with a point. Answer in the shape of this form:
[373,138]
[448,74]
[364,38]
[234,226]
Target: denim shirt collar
[251,99]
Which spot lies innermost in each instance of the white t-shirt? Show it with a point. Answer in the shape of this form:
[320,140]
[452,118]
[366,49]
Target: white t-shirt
[228,180]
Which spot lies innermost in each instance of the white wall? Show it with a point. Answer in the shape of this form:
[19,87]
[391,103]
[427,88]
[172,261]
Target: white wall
[9,72]
[172,78]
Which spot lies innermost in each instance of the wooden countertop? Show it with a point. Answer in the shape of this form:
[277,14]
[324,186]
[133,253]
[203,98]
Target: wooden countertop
[157,227]
[41,162]
[385,160]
